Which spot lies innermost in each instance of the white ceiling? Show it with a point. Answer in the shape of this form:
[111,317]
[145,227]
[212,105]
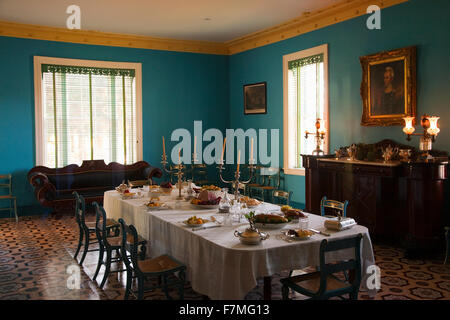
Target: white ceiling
[177,19]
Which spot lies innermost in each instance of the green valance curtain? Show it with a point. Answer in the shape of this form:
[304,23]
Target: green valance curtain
[305,61]
[87,70]
[89,113]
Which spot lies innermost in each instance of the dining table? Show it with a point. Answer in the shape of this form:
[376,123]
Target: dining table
[218,264]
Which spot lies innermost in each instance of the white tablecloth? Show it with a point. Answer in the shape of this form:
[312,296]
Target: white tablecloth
[218,265]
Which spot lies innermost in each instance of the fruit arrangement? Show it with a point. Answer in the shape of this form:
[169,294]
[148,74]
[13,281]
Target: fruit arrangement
[270,218]
[195,220]
[153,204]
[211,187]
[249,201]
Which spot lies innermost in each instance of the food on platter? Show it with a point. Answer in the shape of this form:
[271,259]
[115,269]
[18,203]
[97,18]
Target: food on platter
[270,218]
[285,208]
[153,186]
[210,187]
[194,220]
[166,187]
[299,234]
[153,204]
[122,187]
[127,194]
[249,201]
[294,214]
[206,198]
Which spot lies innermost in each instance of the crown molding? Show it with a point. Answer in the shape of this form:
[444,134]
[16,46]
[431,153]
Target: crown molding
[345,10]
[29,31]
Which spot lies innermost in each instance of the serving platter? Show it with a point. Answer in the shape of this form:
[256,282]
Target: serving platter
[294,237]
[205,206]
[195,225]
[270,225]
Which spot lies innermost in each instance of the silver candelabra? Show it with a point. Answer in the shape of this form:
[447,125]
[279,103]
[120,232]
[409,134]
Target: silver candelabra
[178,170]
[236,180]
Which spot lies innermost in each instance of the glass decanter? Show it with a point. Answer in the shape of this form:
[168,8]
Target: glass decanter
[225,204]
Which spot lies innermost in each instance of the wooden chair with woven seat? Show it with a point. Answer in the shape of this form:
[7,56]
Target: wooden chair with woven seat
[256,182]
[159,268]
[109,245]
[324,284]
[281,197]
[339,208]
[6,183]
[87,229]
[271,182]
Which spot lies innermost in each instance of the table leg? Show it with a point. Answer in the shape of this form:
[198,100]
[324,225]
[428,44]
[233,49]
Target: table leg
[267,288]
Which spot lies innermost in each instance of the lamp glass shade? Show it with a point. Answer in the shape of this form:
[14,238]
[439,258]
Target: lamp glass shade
[433,129]
[408,128]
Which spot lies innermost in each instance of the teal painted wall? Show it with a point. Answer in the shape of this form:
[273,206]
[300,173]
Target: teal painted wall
[177,88]
[423,23]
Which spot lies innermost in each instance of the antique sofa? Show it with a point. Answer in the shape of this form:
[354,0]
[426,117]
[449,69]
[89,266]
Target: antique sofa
[54,187]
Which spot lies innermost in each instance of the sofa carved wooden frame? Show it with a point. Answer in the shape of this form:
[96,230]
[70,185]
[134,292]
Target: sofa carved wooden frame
[38,177]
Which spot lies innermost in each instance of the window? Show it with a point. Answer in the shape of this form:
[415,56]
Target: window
[87,110]
[305,84]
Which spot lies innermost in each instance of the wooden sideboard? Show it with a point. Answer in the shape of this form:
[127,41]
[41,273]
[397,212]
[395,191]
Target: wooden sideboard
[400,202]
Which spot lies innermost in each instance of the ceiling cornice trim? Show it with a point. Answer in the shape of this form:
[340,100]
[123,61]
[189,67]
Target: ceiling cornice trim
[29,31]
[345,10]
[336,13]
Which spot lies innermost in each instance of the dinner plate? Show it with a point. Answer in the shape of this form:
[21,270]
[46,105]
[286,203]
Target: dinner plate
[270,225]
[163,207]
[205,206]
[292,237]
[131,196]
[195,225]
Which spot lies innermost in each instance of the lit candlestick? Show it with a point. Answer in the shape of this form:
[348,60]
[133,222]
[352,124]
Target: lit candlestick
[164,149]
[223,149]
[239,158]
[251,151]
[179,156]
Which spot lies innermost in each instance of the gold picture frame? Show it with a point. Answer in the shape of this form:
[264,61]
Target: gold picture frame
[388,87]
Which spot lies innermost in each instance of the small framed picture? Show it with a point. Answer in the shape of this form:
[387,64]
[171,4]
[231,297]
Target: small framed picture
[255,98]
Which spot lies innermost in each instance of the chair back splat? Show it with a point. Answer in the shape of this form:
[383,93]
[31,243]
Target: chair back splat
[339,208]
[324,284]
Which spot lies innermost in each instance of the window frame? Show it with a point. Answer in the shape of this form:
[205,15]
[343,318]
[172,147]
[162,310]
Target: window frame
[295,56]
[38,112]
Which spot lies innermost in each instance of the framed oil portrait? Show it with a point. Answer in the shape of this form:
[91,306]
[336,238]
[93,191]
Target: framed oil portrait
[388,87]
[255,98]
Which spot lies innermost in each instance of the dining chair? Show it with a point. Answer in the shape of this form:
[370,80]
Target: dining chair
[324,284]
[87,229]
[6,184]
[281,197]
[109,245]
[271,182]
[200,174]
[160,268]
[340,208]
[257,181]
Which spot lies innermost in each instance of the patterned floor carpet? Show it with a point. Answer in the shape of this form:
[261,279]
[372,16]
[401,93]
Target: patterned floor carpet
[36,252]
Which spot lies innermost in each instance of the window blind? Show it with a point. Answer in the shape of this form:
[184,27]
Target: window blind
[89,113]
[306,104]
